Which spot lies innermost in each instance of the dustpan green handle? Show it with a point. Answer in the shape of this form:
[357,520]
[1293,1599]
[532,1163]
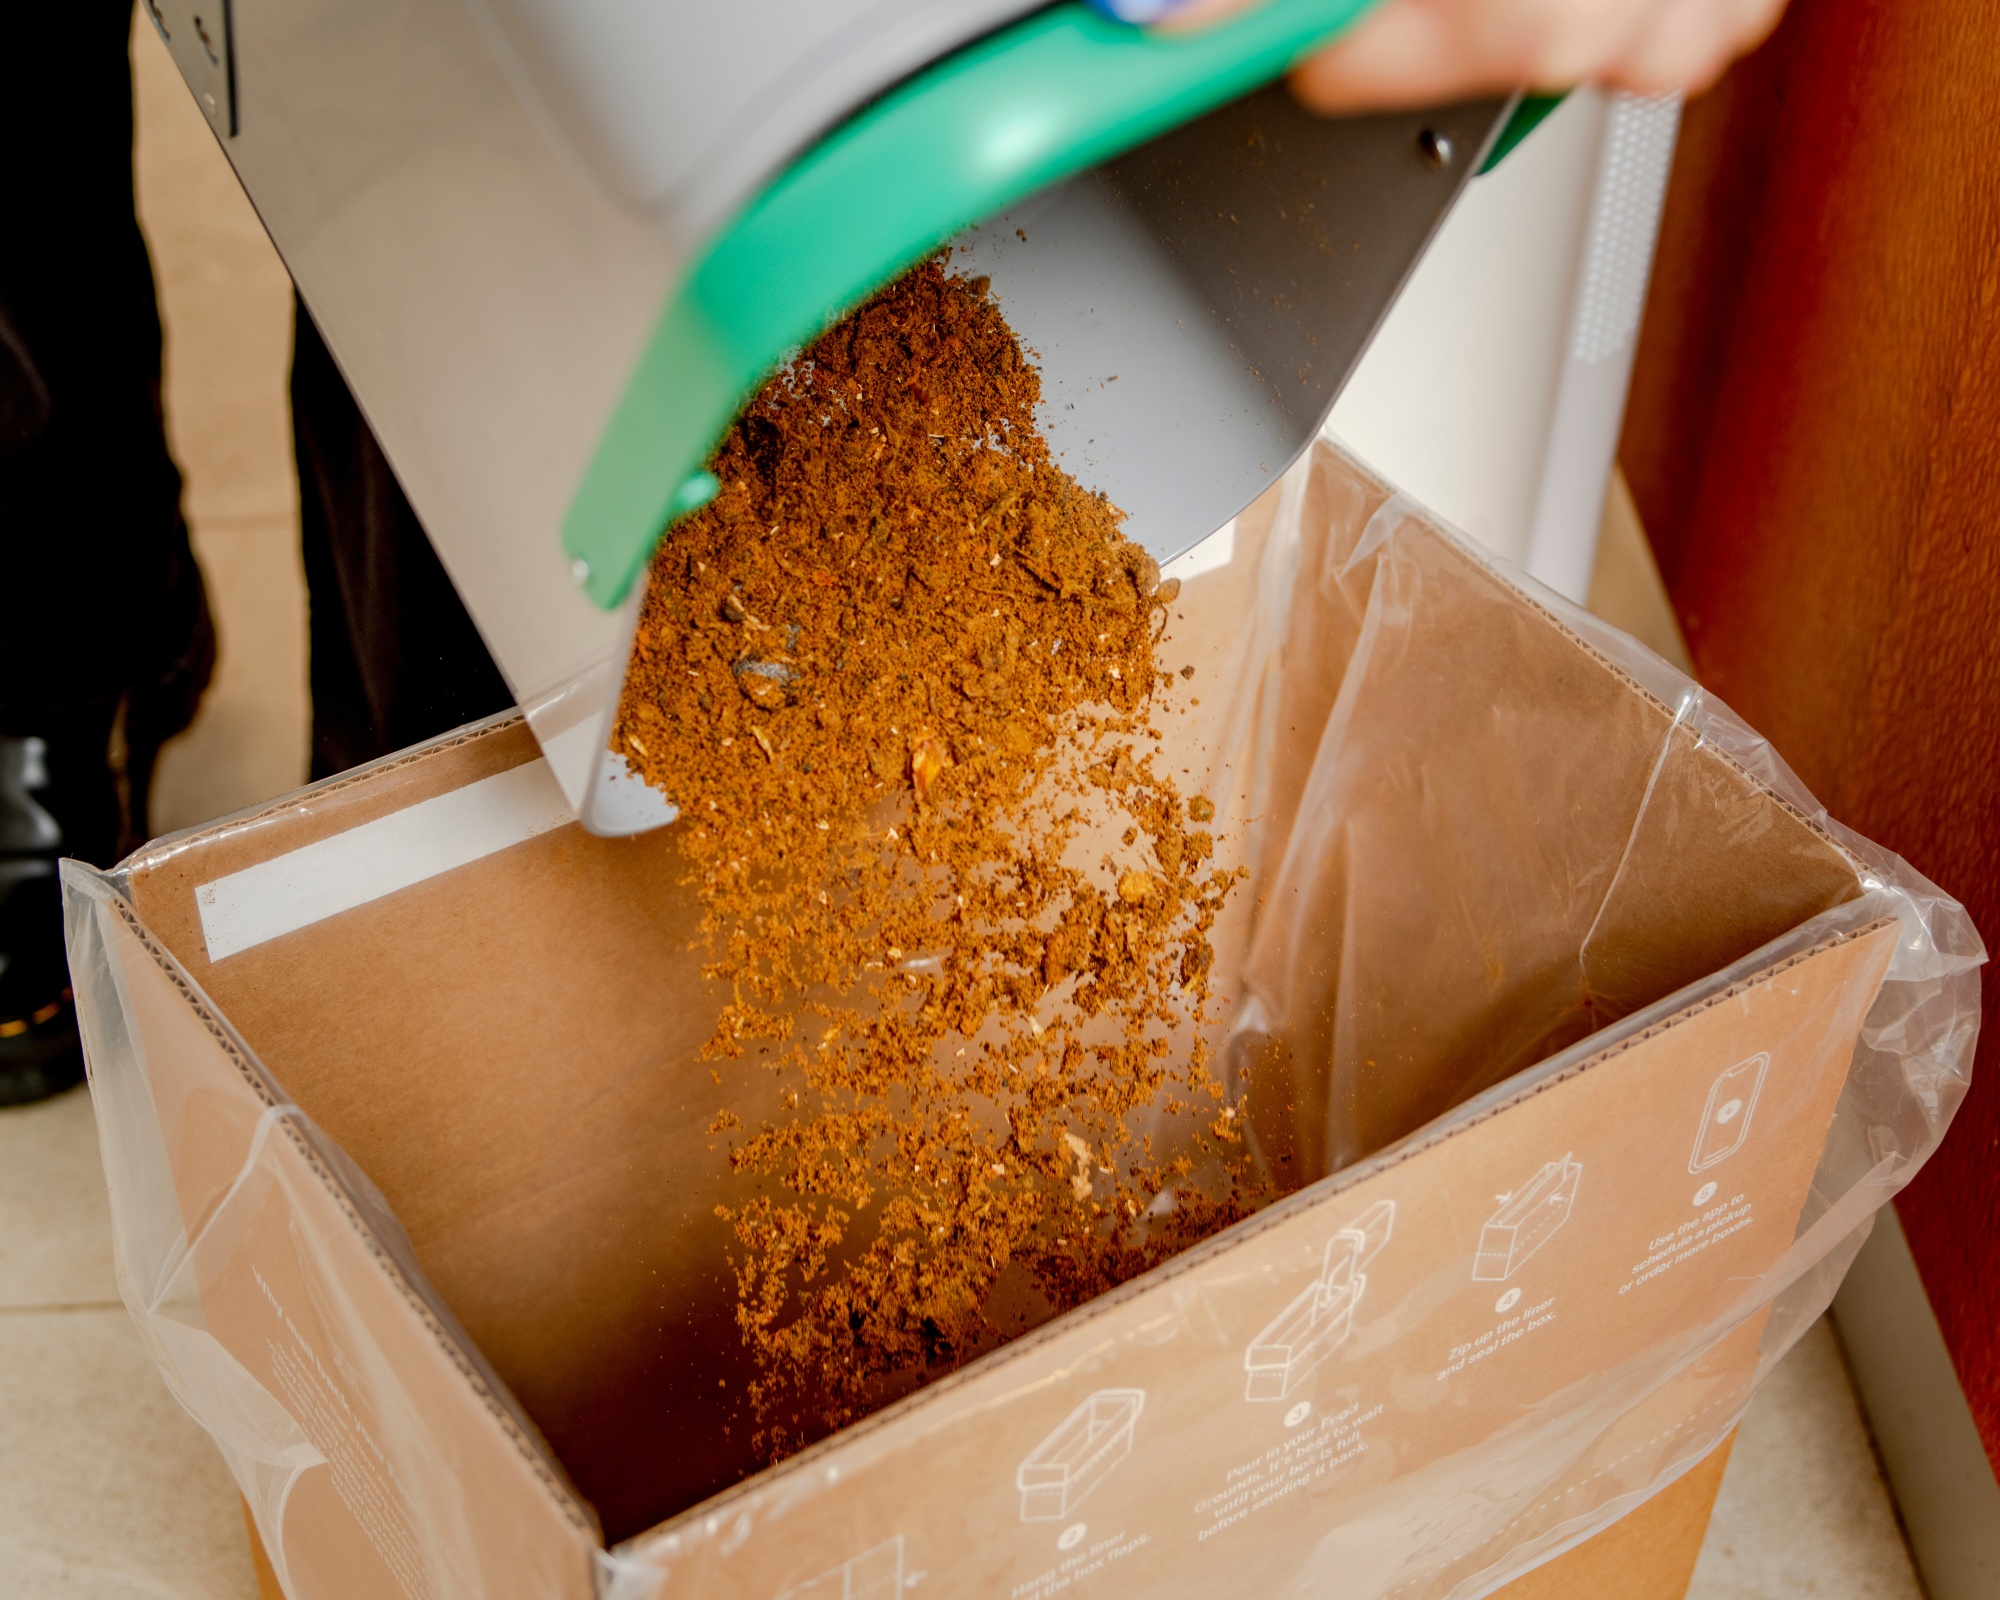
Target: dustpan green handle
[1050,96]
[1530,112]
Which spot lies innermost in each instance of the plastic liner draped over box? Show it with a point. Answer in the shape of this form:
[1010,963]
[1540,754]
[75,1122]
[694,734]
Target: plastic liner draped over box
[1585,1043]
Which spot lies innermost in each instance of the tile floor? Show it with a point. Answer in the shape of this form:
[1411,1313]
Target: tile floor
[107,1490]
[227,303]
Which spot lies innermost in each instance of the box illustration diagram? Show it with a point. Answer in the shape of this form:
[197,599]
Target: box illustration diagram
[1321,1315]
[1078,1455]
[1725,1122]
[1526,1221]
[875,1574]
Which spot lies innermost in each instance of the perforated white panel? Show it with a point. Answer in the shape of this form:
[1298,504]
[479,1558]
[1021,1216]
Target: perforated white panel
[1638,152]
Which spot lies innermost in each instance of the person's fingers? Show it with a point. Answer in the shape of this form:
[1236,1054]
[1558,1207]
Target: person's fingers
[1677,43]
[1397,55]
[1687,45]
[1425,52]
[1417,52]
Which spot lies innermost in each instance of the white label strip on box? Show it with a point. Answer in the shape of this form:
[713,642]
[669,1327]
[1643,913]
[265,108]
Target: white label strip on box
[350,869]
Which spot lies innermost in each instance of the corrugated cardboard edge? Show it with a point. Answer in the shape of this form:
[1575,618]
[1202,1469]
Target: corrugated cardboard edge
[492,1394]
[499,1404]
[157,852]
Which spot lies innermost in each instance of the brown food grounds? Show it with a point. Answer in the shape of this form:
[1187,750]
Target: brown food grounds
[898,679]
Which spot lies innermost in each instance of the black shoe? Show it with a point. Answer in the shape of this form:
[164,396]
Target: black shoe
[95,772]
[80,787]
[40,1051]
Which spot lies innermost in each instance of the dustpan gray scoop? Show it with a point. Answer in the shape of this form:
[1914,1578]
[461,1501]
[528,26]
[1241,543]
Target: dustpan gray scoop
[1197,305]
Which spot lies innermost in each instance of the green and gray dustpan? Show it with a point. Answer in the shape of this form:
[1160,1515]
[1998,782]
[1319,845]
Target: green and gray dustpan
[1147,206]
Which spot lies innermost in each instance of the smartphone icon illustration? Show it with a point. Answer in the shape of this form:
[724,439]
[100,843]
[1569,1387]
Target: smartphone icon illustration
[1725,1123]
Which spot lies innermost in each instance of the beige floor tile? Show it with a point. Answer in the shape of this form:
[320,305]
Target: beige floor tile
[55,1218]
[250,740]
[1803,1513]
[226,301]
[108,1491]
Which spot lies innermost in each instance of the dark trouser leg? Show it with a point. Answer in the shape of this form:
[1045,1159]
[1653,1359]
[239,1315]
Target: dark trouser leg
[105,641]
[395,658]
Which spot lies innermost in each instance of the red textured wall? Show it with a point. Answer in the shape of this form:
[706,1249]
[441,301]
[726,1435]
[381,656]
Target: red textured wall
[1814,446]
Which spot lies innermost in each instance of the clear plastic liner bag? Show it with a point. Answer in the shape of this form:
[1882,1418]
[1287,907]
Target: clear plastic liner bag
[246,1239]
[1608,892]
[1478,859]
[1579,1043]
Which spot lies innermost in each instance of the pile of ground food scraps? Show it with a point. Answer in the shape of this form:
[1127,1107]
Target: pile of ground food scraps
[900,679]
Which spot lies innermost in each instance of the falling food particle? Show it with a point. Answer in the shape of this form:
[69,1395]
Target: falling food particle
[928,759]
[763,682]
[1187,671]
[1079,1182]
[991,605]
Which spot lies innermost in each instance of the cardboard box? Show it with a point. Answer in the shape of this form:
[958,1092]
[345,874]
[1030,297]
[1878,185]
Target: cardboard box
[1647,1554]
[415,1192]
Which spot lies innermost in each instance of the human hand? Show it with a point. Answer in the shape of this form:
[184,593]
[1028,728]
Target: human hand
[1429,52]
